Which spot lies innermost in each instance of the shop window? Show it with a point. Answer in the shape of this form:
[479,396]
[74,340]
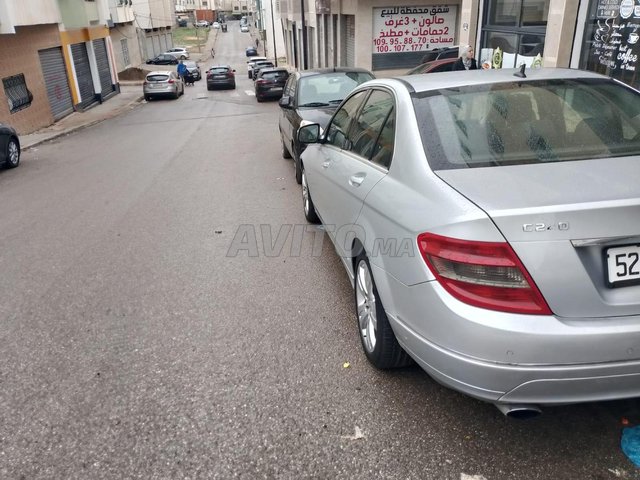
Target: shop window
[611,42]
[513,33]
[17,93]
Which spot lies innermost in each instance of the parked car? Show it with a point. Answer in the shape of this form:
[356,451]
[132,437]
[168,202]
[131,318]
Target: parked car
[216,25]
[440,54]
[162,84]
[9,146]
[221,76]
[181,53]
[201,24]
[435,66]
[252,60]
[270,83]
[257,66]
[163,59]
[313,96]
[193,69]
[250,51]
[493,229]
[244,28]
[182,22]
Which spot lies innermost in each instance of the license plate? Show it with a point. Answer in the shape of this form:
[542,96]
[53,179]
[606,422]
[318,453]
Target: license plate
[219,76]
[276,89]
[623,265]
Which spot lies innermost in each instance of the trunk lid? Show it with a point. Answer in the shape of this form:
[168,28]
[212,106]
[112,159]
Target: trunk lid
[561,219]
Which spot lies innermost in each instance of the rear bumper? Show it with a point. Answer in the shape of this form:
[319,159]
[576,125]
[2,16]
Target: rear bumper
[509,358]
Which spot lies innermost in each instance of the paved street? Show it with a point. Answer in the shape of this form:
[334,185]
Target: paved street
[167,313]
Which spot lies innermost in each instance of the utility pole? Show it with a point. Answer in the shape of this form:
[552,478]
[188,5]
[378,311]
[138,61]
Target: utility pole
[304,37]
[273,30]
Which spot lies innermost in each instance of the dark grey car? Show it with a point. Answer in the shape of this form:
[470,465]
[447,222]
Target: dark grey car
[9,146]
[311,96]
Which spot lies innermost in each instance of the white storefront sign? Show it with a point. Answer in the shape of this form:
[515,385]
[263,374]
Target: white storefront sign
[413,29]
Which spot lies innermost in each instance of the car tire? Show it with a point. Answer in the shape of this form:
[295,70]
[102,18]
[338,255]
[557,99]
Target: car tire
[233,86]
[285,150]
[13,153]
[378,340]
[177,94]
[307,203]
[259,99]
[183,57]
[298,167]
[147,98]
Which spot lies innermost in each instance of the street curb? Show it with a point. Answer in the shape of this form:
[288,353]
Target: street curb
[57,134]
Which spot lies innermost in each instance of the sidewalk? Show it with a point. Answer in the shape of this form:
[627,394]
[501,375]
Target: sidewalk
[129,97]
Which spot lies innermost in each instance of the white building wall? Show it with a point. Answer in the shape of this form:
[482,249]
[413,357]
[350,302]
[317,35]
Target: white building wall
[15,13]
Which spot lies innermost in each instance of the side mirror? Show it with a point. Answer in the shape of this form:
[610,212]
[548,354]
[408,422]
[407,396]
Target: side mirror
[309,133]
[285,102]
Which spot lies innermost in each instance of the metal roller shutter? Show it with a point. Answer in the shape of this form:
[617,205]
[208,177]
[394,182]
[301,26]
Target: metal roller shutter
[104,71]
[350,39]
[83,73]
[56,81]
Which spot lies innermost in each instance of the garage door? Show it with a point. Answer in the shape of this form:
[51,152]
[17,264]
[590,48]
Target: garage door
[351,40]
[102,59]
[56,81]
[83,74]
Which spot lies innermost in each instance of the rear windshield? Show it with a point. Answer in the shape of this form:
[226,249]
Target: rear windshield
[329,88]
[157,78]
[275,75]
[528,122]
[219,70]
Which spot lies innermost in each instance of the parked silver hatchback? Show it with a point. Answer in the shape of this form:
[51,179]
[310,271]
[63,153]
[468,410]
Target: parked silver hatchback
[490,225]
[162,84]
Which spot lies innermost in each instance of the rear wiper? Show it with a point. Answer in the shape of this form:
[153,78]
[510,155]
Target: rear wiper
[314,104]
[336,101]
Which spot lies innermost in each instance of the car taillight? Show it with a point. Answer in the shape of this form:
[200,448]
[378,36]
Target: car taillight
[145,83]
[171,80]
[231,74]
[484,274]
[261,82]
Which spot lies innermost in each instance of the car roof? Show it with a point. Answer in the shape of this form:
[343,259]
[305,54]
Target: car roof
[321,71]
[449,80]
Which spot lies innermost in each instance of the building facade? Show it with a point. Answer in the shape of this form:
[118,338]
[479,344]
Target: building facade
[55,58]
[390,37]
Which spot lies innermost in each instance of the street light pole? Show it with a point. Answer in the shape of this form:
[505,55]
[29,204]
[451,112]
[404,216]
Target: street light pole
[304,37]
[273,30]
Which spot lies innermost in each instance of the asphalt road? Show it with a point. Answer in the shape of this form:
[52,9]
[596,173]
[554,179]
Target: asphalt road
[166,313]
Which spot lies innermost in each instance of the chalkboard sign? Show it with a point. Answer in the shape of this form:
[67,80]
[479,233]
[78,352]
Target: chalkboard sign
[612,39]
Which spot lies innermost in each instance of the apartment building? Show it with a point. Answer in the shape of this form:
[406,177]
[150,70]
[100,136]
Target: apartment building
[55,57]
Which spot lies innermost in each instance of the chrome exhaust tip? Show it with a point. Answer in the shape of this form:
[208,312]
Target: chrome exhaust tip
[519,411]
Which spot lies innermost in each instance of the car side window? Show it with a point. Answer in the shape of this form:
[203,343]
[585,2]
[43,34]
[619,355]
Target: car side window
[383,150]
[290,87]
[364,133]
[339,126]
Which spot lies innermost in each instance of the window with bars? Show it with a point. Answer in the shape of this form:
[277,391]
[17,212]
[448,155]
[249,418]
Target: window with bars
[125,51]
[18,95]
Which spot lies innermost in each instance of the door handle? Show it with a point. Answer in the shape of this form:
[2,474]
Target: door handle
[357,179]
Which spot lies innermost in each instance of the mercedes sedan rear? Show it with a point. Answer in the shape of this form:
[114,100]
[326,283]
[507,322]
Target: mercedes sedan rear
[490,224]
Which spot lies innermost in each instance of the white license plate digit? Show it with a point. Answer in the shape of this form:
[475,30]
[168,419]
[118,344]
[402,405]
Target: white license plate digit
[623,264]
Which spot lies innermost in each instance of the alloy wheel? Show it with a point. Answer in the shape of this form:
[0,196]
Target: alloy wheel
[366,306]
[305,193]
[13,153]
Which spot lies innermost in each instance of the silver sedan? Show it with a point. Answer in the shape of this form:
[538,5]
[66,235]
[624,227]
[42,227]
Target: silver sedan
[490,224]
